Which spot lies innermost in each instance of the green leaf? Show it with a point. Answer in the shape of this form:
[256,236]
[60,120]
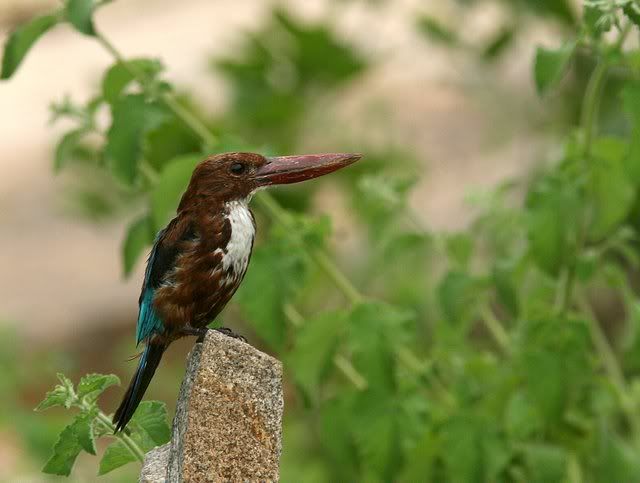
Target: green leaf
[559,9]
[631,102]
[551,65]
[315,345]
[380,197]
[151,417]
[271,112]
[92,385]
[116,455]
[65,452]
[552,214]
[545,463]
[80,15]
[458,297]
[559,349]
[616,460]
[435,31]
[66,147]
[140,235]
[172,182]
[21,40]
[83,428]
[632,10]
[62,395]
[266,287]
[595,20]
[173,139]
[336,423]
[522,419]
[499,43]
[505,287]
[421,461]
[149,428]
[612,189]
[459,248]
[119,76]
[132,117]
[375,329]
[472,449]
[376,434]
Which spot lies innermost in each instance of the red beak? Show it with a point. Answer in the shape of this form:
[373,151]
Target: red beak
[293,169]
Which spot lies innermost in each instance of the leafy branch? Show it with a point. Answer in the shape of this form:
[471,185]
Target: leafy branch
[150,428]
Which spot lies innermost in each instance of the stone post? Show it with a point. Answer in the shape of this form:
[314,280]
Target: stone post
[228,422]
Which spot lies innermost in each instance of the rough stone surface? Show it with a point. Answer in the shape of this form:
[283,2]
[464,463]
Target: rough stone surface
[228,420]
[154,469]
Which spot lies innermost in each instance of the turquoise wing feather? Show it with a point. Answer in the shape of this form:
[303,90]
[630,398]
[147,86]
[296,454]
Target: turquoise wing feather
[149,322]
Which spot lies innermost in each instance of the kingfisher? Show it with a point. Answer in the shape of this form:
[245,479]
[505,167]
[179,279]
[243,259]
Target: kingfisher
[200,258]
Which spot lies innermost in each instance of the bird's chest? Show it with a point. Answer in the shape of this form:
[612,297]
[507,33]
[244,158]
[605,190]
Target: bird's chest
[237,251]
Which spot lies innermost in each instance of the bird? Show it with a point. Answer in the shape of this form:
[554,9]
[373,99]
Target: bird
[199,259]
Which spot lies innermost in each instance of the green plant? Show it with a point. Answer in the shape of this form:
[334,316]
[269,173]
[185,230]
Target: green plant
[149,428]
[493,365]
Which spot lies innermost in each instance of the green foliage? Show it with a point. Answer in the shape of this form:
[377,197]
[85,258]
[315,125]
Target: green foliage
[121,75]
[150,430]
[148,427]
[20,42]
[486,361]
[279,270]
[278,72]
[173,180]
[79,13]
[139,236]
[133,117]
[315,345]
[612,187]
[550,65]
[436,31]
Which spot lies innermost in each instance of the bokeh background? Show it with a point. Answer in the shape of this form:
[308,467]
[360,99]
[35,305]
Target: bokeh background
[440,98]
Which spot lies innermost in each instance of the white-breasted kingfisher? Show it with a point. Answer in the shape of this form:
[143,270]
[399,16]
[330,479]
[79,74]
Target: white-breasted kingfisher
[198,261]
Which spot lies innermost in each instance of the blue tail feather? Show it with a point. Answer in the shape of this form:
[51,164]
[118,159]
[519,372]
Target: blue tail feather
[146,368]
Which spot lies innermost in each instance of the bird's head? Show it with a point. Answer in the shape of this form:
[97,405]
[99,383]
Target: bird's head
[236,176]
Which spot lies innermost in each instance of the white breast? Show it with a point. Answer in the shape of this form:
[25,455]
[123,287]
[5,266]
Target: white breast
[243,231]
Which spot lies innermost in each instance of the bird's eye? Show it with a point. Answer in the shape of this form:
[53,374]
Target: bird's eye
[237,168]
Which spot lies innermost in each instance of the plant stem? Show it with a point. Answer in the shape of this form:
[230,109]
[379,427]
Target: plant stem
[496,329]
[131,445]
[195,124]
[610,363]
[588,122]
[350,372]
[591,104]
[342,363]
[319,257]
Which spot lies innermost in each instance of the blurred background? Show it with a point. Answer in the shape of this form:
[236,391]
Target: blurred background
[441,99]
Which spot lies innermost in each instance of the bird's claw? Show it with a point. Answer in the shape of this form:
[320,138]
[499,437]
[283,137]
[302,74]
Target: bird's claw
[201,332]
[230,333]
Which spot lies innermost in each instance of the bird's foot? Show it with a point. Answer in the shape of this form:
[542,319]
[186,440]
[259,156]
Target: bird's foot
[199,332]
[230,333]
